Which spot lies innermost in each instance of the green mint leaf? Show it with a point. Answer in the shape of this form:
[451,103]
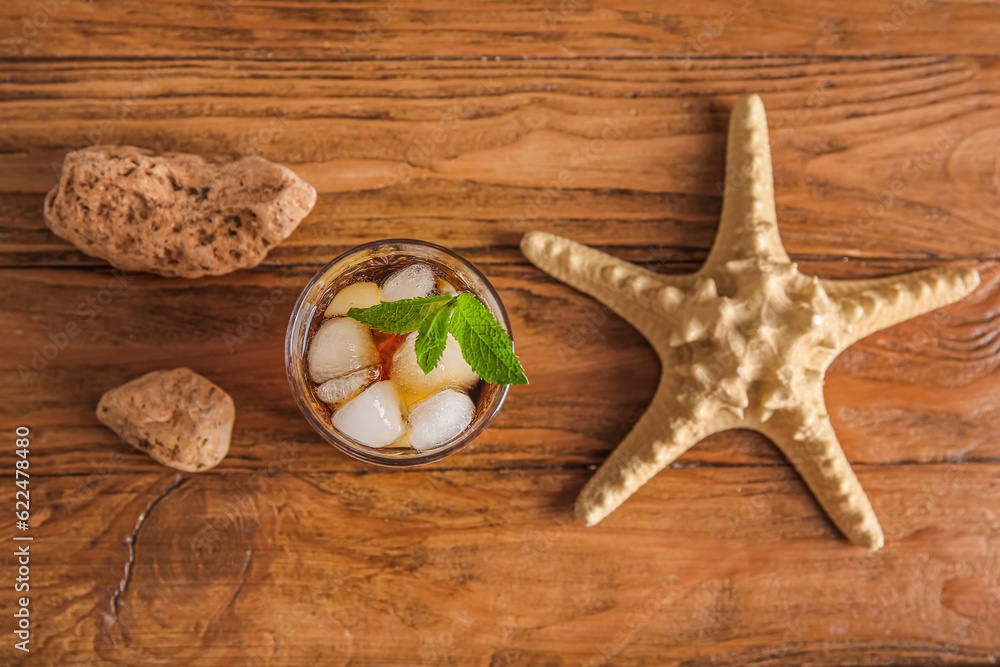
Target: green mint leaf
[485,345]
[432,338]
[484,342]
[399,317]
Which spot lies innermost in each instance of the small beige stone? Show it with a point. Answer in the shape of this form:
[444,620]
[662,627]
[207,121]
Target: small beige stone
[176,215]
[178,417]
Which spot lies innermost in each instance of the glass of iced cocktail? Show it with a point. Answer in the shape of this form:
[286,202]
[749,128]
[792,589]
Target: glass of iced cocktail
[362,388]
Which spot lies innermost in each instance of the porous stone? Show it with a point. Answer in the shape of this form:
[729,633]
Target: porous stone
[178,417]
[176,215]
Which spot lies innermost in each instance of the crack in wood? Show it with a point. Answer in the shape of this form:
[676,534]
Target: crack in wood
[132,539]
[245,574]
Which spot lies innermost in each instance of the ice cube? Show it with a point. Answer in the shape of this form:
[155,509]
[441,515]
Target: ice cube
[358,295]
[374,418]
[445,287]
[436,420]
[340,346]
[414,281]
[451,371]
[340,389]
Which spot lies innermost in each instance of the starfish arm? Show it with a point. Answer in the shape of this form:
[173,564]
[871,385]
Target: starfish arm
[633,292]
[653,443]
[867,306]
[807,439]
[749,225]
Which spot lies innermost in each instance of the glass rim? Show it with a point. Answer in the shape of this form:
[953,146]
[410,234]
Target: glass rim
[302,315]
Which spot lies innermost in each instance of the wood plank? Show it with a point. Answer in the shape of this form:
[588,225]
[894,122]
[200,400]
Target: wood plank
[728,566]
[872,158]
[268,29]
[466,124]
[925,390]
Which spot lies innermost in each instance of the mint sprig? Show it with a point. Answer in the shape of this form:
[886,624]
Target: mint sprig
[432,337]
[400,317]
[484,340]
[485,345]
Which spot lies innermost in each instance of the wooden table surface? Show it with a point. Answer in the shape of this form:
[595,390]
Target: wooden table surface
[451,122]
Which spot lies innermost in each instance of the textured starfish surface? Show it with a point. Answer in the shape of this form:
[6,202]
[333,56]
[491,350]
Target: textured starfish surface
[745,341]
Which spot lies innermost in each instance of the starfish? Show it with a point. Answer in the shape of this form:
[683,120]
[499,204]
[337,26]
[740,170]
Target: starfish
[745,341]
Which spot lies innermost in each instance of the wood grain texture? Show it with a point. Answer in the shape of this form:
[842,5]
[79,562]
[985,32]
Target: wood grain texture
[591,373]
[466,125]
[367,29]
[871,158]
[420,567]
